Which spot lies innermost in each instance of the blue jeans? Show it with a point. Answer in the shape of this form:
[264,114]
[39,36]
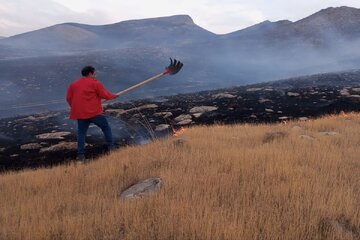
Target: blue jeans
[83,125]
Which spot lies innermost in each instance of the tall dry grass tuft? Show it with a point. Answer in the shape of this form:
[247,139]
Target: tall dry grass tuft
[222,182]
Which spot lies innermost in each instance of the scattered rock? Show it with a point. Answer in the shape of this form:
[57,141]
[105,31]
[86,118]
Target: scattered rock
[253,89]
[40,117]
[293,94]
[146,106]
[60,147]
[223,95]
[269,110]
[2,149]
[283,118]
[53,135]
[163,114]
[307,137]
[30,146]
[183,117]
[341,227]
[303,119]
[162,127]
[197,115]
[203,109]
[141,189]
[184,122]
[329,133]
[263,100]
[356,89]
[344,92]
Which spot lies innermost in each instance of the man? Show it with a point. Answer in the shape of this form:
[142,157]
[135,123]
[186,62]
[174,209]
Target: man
[84,97]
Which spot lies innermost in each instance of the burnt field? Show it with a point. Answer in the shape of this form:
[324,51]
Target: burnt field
[49,138]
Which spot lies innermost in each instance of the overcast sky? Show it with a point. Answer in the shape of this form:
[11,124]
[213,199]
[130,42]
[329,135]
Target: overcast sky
[18,16]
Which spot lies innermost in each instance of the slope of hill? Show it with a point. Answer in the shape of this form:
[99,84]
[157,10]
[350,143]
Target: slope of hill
[294,181]
[322,29]
[50,138]
[164,31]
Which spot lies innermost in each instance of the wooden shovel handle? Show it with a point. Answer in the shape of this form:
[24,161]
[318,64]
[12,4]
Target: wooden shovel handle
[139,84]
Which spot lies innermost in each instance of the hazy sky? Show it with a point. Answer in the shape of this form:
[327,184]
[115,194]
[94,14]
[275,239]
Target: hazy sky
[18,16]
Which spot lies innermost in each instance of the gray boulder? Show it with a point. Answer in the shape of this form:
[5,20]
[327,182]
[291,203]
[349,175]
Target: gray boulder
[141,189]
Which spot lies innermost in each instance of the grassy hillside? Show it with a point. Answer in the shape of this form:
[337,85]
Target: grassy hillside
[284,181]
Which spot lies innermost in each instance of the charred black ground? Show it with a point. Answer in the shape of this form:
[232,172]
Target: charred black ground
[48,139]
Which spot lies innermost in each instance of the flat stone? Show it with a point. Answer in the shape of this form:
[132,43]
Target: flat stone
[30,146]
[146,106]
[344,92]
[197,115]
[162,127]
[283,118]
[60,147]
[356,89]
[303,118]
[141,189]
[163,114]
[263,100]
[41,117]
[329,133]
[183,117]
[203,109]
[223,95]
[53,135]
[293,94]
[184,122]
[2,149]
[307,137]
[253,89]
[269,110]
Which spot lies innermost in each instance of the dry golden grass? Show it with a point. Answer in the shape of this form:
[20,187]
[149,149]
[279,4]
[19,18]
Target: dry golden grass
[224,182]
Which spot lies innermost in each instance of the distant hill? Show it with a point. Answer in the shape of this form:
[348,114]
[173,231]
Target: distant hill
[319,29]
[164,31]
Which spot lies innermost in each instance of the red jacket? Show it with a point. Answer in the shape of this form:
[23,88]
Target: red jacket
[84,97]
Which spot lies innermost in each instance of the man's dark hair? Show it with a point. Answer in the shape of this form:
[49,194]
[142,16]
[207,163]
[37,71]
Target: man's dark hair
[86,70]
